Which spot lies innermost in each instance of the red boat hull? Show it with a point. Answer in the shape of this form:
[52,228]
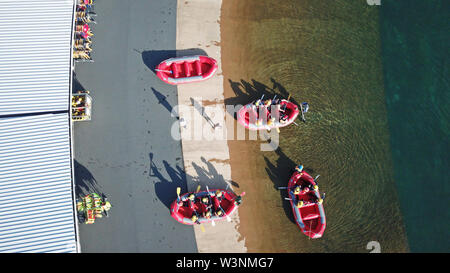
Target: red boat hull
[249,114]
[310,218]
[182,210]
[186,69]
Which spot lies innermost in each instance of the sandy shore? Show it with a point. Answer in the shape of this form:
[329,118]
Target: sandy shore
[205,152]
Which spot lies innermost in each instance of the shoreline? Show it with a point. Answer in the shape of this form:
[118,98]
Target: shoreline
[206,162]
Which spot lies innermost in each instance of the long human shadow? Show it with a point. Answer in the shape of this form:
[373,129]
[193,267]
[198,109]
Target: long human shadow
[162,100]
[280,173]
[248,91]
[201,110]
[85,182]
[209,176]
[152,58]
[165,188]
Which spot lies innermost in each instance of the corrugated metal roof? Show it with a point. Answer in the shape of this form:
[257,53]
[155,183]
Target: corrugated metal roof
[36,188]
[35,52]
[36,201]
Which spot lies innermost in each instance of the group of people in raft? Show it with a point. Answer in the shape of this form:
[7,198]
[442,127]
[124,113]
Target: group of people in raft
[210,205]
[304,191]
[265,107]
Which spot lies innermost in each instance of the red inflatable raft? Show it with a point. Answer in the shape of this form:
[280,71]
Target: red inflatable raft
[184,208]
[307,205]
[260,117]
[186,69]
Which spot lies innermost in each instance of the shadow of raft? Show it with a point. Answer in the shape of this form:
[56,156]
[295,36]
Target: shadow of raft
[152,58]
[279,173]
[165,188]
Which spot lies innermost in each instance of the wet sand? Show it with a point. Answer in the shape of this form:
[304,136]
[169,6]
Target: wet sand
[328,54]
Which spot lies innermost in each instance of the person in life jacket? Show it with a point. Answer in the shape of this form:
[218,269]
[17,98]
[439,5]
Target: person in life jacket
[191,197]
[206,202]
[219,196]
[305,107]
[219,213]
[299,204]
[194,219]
[305,190]
[207,214]
[283,117]
[238,200]
[299,168]
[297,190]
[106,206]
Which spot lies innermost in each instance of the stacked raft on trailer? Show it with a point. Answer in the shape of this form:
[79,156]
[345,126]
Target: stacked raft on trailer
[307,204]
[186,69]
[255,117]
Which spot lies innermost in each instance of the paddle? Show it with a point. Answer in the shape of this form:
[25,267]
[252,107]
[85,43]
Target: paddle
[289,97]
[316,179]
[178,194]
[220,207]
[198,222]
[210,199]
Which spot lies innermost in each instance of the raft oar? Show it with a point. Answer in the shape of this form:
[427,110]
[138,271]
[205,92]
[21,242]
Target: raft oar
[286,103]
[316,179]
[210,200]
[198,188]
[178,194]
[303,116]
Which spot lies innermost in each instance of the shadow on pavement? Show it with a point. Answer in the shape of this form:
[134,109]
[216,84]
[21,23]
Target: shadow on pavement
[85,182]
[162,100]
[209,176]
[152,58]
[165,188]
[76,85]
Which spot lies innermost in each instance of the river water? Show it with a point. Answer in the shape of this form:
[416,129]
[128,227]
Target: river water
[356,66]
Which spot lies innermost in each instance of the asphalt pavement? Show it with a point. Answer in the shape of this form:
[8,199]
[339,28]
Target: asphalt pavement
[126,151]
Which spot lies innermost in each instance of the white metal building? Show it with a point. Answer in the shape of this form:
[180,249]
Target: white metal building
[36,179]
